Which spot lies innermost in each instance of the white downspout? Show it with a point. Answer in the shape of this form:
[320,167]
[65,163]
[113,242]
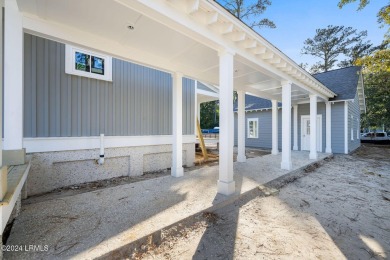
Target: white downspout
[101,158]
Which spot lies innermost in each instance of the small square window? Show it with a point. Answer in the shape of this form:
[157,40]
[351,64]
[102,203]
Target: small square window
[97,65]
[82,61]
[253,128]
[87,64]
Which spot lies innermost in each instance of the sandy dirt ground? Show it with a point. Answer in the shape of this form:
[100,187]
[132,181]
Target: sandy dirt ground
[340,210]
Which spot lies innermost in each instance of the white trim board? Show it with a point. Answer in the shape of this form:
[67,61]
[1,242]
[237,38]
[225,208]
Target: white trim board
[346,127]
[53,144]
[319,141]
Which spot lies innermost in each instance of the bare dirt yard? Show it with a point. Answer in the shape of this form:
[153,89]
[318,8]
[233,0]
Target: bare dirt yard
[340,210]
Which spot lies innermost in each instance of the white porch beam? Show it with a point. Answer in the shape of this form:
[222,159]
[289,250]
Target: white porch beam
[211,18]
[255,92]
[295,109]
[177,126]
[192,6]
[286,163]
[241,127]
[275,149]
[259,50]
[267,56]
[237,36]
[225,28]
[249,44]
[313,127]
[275,60]
[328,147]
[226,184]
[13,77]
[282,64]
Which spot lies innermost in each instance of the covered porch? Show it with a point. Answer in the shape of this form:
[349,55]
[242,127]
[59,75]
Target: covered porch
[112,222]
[197,39]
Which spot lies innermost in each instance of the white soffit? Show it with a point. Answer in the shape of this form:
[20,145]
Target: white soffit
[177,35]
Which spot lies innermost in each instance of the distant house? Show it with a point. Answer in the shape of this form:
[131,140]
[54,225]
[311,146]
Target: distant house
[346,109]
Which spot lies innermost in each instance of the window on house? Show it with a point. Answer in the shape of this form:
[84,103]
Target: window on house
[351,133]
[253,128]
[88,64]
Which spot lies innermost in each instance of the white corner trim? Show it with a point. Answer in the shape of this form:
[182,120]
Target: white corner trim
[53,144]
[346,127]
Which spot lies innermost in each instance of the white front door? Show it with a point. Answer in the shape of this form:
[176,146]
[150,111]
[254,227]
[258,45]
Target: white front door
[305,133]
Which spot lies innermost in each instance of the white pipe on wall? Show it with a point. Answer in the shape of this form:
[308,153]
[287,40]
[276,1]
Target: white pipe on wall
[101,158]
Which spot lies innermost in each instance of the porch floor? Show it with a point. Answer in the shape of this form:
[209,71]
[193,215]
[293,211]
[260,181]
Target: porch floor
[92,224]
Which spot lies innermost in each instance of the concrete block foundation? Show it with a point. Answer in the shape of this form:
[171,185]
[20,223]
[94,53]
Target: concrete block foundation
[52,170]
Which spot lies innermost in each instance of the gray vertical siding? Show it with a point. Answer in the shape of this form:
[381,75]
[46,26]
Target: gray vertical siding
[265,127]
[353,115]
[138,101]
[337,124]
[264,139]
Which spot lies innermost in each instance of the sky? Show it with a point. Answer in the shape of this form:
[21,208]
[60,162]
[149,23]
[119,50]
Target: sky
[297,20]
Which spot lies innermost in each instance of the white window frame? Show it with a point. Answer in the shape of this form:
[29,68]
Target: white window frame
[256,129]
[70,52]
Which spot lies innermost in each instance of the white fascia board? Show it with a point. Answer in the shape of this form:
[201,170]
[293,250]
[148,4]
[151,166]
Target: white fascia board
[53,144]
[239,24]
[207,93]
[177,20]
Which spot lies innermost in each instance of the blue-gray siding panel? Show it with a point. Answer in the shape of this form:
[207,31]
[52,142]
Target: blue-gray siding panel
[264,139]
[138,101]
[337,127]
[353,123]
[265,127]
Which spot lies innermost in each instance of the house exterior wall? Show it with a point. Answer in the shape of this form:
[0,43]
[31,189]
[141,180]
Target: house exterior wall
[265,127]
[264,139]
[353,117]
[66,109]
[54,170]
[337,127]
[137,102]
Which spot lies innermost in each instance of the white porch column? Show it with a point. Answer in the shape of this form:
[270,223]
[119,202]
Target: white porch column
[226,184]
[177,126]
[286,126]
[313,127]
[295,109]
[13,77]
[328,148]
[1,96]
[275,149]
[241,127]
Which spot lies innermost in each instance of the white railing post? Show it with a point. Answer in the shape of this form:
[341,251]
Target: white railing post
[177,126]
[286,163]
[313,127]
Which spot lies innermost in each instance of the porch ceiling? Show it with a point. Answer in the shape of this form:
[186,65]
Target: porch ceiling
[157,40]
